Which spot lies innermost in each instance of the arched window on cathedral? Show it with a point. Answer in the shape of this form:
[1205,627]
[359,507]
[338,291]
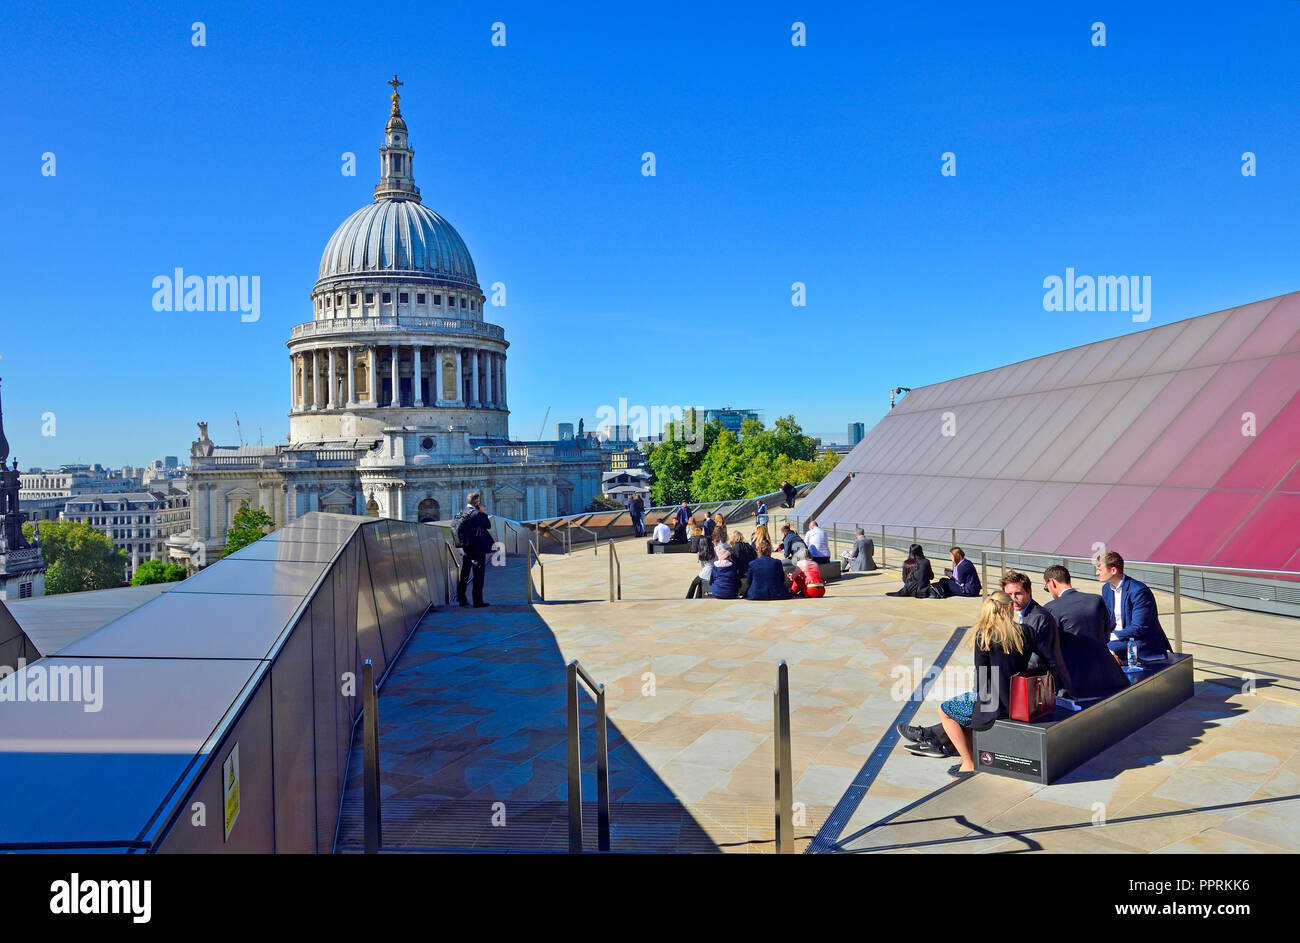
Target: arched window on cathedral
[428,510]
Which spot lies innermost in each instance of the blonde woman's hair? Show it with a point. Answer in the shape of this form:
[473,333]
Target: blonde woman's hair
[696,530]
[996,626]
[760,533]
[719,519]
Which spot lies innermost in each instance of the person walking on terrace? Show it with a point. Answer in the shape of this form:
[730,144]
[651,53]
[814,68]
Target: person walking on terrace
[636,507]
[473,531]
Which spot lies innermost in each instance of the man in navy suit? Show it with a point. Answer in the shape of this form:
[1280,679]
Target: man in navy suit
[1131,611]
[1085,630]
[1081,614]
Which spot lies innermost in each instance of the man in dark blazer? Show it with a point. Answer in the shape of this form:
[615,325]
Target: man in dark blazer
[1077,613]
[861,559]
[1135,616]
[1042,635]
[636,507]
[1085,630]
[789,491]
[474,560]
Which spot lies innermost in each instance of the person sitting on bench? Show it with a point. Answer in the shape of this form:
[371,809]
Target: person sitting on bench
[1001,651]
[819,548]
[699,541]
[961,580]
[790,542]
[860,558]
[917,574]
[719,527]
[760,534]
[696,589]
[742,554]
[679,530]
[766,576]
[724,580]
[806,577]
[662,534]
[1084,632]
[1131,608]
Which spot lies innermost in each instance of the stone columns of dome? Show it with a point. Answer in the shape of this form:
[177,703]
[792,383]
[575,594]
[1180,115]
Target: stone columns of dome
[315,381]
[416,384]
[437,376]
[352,378]
[460,394]
[332,402]
[473,383]
[372,377]
[503,381]
[396,399]
[293,383]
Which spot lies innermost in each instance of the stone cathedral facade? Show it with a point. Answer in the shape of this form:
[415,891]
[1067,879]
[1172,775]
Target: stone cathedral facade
[398,395]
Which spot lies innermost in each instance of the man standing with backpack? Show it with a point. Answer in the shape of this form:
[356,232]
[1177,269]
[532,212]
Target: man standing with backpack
[471,532]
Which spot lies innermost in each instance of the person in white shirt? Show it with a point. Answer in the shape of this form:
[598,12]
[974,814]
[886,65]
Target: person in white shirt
[819,547]
[662,533]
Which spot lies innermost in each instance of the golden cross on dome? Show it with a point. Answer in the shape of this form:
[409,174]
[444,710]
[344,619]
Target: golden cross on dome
[394,83]
[397,109]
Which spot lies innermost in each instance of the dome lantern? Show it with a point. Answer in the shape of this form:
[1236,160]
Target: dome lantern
[396,173]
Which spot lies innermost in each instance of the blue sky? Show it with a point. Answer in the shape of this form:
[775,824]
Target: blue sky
[775,164]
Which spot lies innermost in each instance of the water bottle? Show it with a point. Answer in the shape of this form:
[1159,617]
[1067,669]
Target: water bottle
[1132,653]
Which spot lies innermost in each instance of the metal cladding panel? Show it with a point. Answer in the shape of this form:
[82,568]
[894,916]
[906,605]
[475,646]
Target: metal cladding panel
[1047,498]
[1154,344]
[327,691]
[1208,526]
[387,591]
[369,640]
[1236,328]
[1149,525]
[1093,354]
[1260,542]
[1189,342]
[1269,455]
[1222,441]
[1131,439]
[429,559]
[346,608]
[1076,504]
[254,577]
[253,830]
[294,754]
[1030,447]
[1166,451]
[1042,377]
[1118,505]
[1094,447]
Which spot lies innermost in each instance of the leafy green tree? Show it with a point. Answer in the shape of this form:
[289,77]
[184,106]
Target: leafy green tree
[79,557]
[720,474]
[249,526]
[157,571]
[602,503]
[790,440]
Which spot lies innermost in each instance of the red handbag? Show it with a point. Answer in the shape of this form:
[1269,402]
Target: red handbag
[1032,696]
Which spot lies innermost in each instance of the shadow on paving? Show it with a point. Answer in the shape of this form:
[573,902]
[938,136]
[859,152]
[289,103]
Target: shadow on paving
[473,728]
[943,818]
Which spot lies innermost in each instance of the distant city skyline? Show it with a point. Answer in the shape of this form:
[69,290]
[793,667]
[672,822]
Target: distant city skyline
[920,200]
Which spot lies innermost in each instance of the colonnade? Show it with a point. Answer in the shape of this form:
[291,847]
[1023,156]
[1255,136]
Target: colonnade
[354,376]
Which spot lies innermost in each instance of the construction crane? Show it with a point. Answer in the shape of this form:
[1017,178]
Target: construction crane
[542,431]
[238,429]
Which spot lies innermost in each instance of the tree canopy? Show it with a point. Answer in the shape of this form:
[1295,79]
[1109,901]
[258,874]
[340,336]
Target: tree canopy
[78,557]
[248,526]
[724,465]
[157,571]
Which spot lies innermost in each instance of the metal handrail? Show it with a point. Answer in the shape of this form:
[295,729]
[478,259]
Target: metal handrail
[595,540]
[783,773]
[614,565]
[505,522]
[576,672]
[528,573]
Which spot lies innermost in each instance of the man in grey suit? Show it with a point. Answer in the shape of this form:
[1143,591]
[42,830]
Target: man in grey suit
[861,559]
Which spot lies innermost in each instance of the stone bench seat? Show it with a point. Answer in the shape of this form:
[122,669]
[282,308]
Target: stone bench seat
[1048,748]
[830,571]
[652,547]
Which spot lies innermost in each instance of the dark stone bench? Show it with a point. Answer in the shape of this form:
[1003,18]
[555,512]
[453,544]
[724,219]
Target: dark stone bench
[1046,749]
[652,547]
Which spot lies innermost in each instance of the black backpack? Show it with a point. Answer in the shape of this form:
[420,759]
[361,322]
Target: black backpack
[462,529]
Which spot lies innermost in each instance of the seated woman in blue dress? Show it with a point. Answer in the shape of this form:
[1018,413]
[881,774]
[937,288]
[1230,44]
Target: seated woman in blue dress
[1000,652]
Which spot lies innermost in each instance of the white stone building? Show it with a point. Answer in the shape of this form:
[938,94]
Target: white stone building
[138,522]
[398,393]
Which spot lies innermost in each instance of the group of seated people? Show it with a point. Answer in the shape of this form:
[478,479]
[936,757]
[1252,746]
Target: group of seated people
[960,579]
[1081,639]
[732,567]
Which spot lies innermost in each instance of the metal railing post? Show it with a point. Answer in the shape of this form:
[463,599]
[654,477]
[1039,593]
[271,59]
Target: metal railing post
[784,776]
[882,546]
[575,763]
[602,774]
[370,728]
[913,534]
[984,570]
[1178,610]
[954,538]
[1002,558]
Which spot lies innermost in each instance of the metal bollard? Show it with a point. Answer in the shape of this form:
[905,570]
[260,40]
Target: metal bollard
[784,775]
